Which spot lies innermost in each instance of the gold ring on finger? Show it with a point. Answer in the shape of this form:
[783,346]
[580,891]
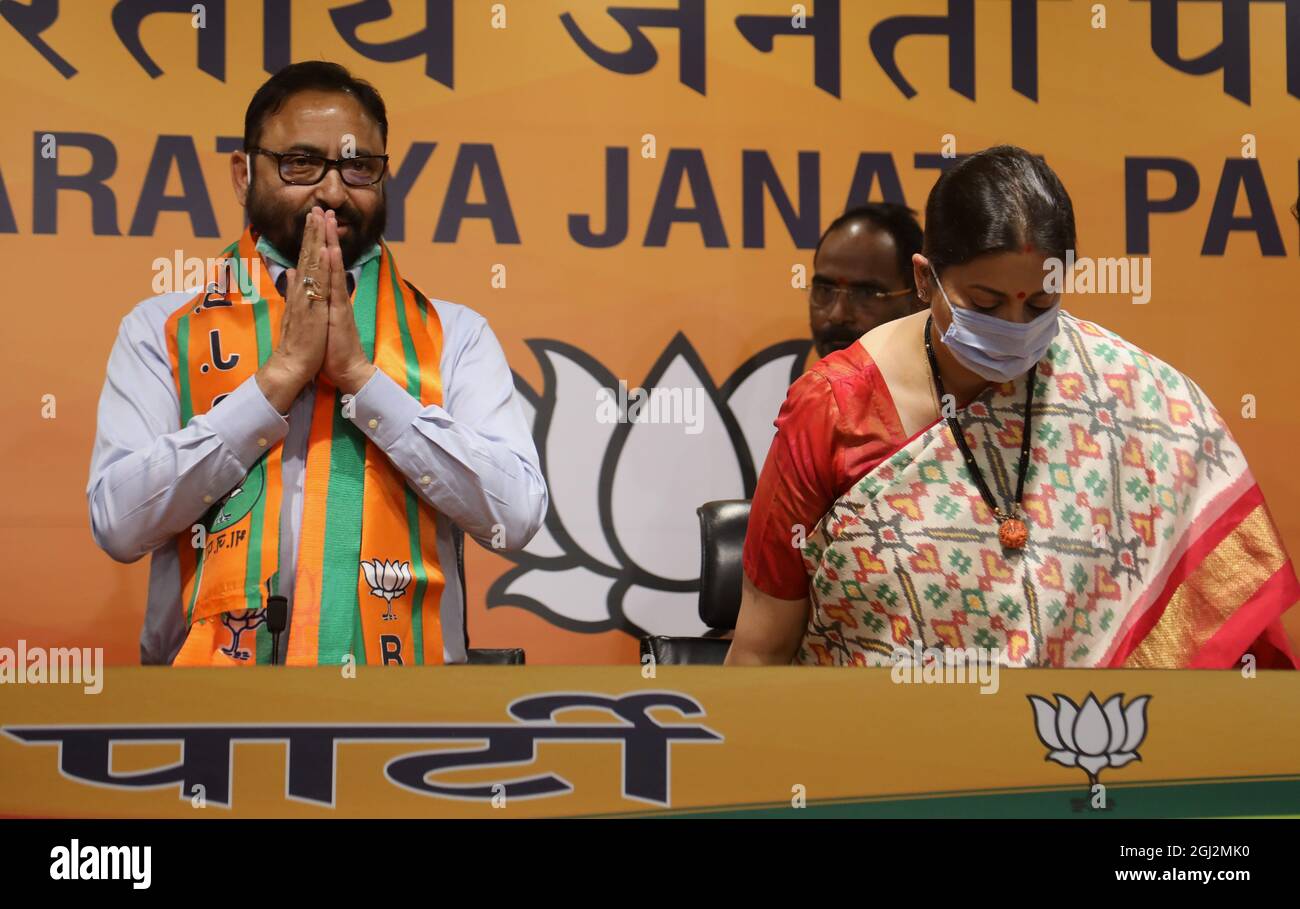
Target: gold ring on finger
[309,281]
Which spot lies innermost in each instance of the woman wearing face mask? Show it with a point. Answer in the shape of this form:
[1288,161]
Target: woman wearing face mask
[996,474]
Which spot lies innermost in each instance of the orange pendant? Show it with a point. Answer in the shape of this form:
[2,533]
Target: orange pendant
[1013,533]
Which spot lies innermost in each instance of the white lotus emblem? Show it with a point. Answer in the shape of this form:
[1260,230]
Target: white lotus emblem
[1093,736]
[620,548]
[388,580]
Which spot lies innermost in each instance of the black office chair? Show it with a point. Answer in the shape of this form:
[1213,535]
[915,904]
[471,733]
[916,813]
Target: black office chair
[482,656]
[500,656]
[722,549]
[722,543]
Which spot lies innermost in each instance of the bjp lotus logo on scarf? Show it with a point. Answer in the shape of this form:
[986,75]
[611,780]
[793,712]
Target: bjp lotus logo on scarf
[240,500]
[237,623]
[388,580]
[1094,736]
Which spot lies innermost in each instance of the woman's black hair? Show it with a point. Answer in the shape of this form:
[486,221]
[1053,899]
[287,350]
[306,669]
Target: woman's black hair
[310,75]
[997,200]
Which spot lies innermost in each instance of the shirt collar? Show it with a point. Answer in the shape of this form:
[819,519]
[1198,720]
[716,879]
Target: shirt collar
[277,262]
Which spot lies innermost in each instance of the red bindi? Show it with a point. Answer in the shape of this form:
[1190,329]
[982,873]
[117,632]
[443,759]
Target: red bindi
[1020,295]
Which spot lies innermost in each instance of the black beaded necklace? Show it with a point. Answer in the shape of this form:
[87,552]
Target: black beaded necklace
[1012,532]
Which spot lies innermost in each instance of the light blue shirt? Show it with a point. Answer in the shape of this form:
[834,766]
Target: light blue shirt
[472,460]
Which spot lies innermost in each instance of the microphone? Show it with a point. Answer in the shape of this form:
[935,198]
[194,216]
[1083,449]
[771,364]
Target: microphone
[277,614]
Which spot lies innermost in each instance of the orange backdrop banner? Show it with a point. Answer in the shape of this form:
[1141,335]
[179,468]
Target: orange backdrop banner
[631,194]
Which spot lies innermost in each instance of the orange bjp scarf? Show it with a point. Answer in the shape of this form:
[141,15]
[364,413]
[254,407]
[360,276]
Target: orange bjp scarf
[367,581]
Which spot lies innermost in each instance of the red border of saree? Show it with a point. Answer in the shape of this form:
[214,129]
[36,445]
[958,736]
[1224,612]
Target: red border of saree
[1224,595]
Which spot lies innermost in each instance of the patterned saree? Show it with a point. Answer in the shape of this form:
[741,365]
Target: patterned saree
[1149,542]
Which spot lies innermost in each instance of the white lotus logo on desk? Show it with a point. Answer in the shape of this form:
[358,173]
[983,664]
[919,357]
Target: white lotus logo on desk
[1094,736]
[388,580]
[620,548]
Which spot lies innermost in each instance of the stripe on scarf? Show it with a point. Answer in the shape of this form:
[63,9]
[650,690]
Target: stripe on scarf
[187,413]
[340,618]
[421,302]
[304,635]
[421,576]
[183,356]
[255,561]
[262,290]
[342,556]
[428,353]
[253,572]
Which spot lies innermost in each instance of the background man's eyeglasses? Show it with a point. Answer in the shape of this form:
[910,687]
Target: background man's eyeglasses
[823,296]
[308,170]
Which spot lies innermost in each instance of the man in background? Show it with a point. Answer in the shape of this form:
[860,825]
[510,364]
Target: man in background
[862,274]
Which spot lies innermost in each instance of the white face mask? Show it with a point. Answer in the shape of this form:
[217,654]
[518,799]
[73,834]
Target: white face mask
[248,167]
[994,348]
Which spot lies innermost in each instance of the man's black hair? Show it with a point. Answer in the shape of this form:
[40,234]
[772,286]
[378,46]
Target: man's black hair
[898,221]
[310,75]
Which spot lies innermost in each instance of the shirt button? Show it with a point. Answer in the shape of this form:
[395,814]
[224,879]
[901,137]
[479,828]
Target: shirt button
[207,499]
[262,442]
[374,424]
[425,480]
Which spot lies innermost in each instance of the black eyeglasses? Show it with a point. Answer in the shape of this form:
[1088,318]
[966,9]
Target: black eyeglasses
[302,169]
[823,294]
